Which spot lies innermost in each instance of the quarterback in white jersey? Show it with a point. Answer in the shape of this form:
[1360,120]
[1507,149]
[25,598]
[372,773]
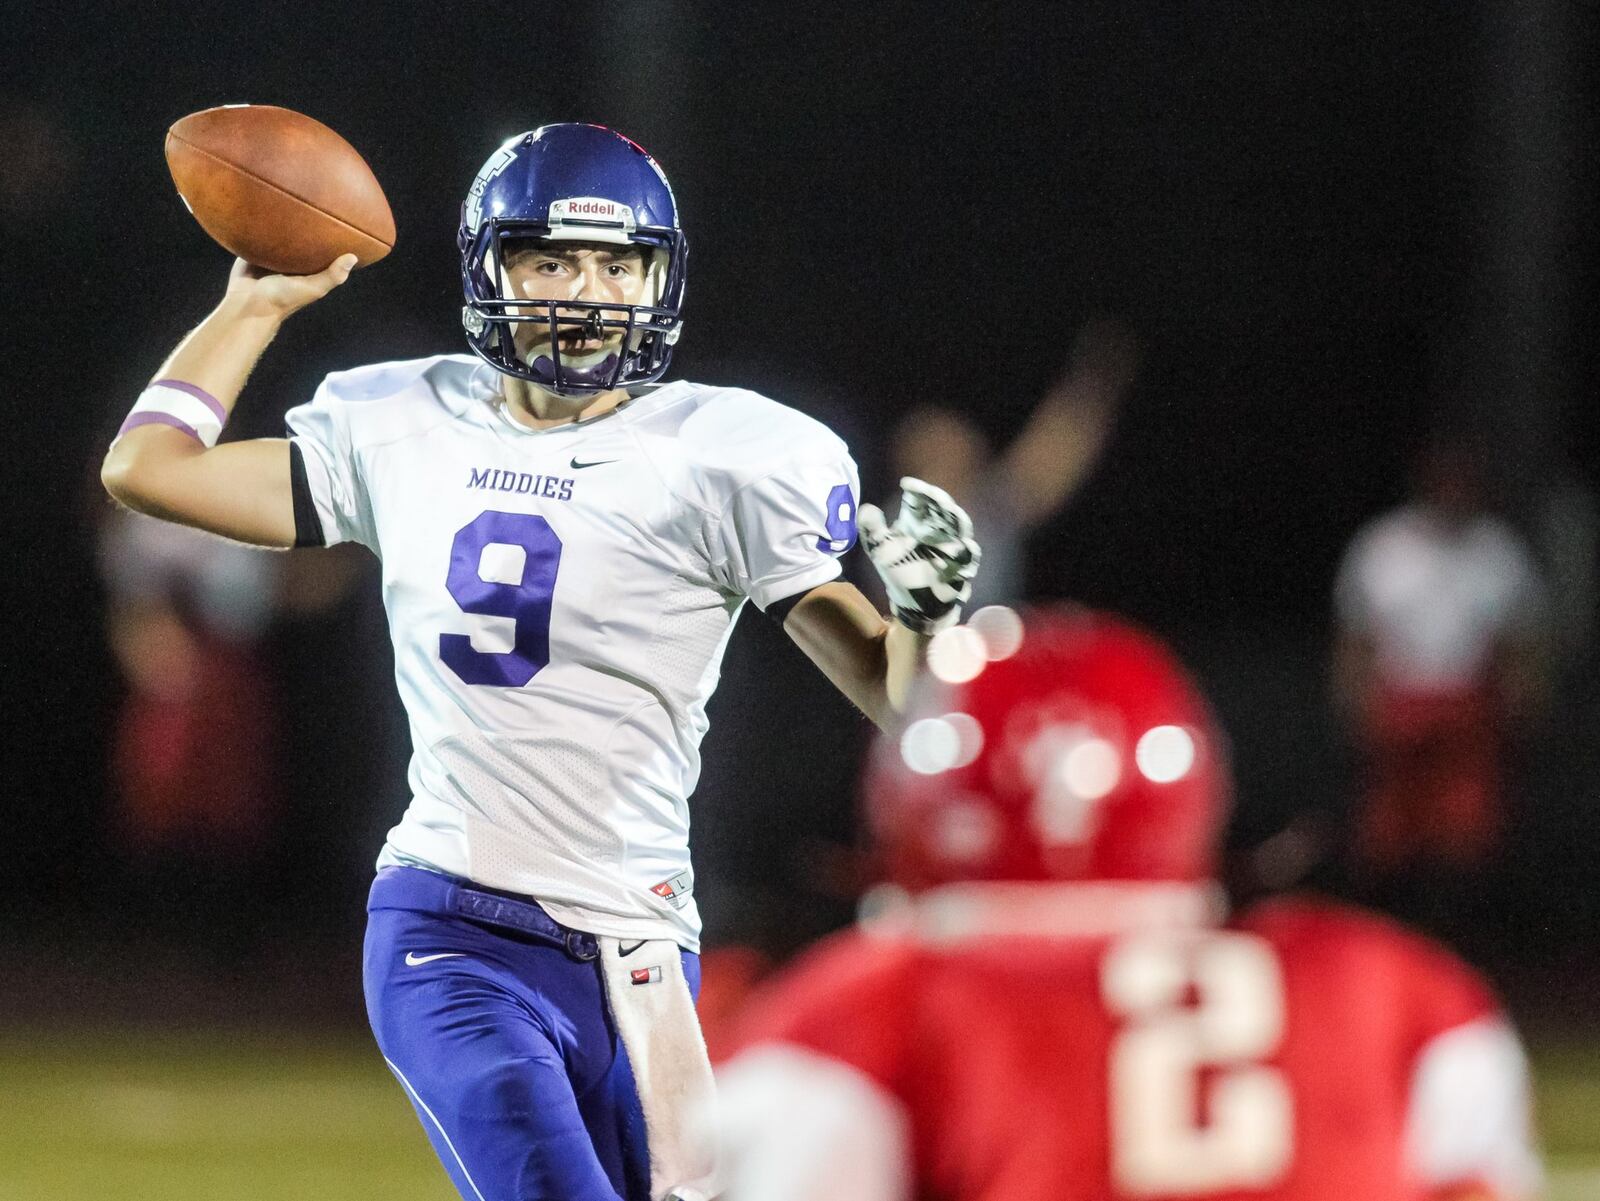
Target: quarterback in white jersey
[559,602]
[566,544]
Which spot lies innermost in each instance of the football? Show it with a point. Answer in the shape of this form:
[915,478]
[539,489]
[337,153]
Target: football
[278,189]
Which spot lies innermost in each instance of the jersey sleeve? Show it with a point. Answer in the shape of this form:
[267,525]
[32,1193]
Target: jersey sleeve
[799,1126]
[333,484]
[1469,1121]
[809,1107]
[783,533]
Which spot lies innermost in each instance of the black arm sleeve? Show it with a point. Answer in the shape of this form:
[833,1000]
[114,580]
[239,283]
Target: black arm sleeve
[307,525]
[779,610]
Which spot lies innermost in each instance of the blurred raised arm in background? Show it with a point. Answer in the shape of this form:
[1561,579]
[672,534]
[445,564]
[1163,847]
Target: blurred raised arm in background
[1011,493]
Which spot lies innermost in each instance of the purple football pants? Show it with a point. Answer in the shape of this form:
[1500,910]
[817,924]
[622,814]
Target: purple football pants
[494,1019]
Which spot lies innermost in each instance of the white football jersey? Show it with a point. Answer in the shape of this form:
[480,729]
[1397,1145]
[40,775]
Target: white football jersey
[559,602]
[1437,600]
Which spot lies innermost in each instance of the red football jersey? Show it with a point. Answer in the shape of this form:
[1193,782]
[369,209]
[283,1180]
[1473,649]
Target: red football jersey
[1304,1052]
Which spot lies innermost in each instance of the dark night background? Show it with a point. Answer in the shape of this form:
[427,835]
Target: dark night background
[1335,228]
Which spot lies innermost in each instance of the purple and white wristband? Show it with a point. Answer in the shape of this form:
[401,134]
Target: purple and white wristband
[182,406]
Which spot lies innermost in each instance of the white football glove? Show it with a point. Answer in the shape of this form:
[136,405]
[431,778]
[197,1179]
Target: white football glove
[927,558]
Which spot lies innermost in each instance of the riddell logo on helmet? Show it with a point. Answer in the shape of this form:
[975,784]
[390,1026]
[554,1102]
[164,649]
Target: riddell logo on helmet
[590,206]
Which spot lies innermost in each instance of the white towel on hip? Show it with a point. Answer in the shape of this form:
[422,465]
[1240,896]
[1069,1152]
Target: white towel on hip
[654,1012]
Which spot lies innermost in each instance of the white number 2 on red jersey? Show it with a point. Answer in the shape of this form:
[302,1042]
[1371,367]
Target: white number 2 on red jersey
[1210,1003]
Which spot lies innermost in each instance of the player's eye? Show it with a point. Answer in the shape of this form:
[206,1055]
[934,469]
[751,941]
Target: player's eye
[619,270]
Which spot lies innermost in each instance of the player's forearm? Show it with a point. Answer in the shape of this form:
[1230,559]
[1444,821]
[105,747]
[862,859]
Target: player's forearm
[843,633]
[220,352]
[871,659]
[905,652]
[880,670]
[144,466]
[1054,455]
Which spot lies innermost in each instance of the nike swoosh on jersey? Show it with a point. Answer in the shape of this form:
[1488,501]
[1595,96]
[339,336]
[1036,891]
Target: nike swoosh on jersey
[577,466]
[415,960]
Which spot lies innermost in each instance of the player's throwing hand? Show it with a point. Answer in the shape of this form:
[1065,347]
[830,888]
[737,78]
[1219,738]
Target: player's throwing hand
[268,295]
[927,558]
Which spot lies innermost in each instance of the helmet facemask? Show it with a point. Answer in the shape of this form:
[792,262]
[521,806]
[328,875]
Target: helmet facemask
[639,336]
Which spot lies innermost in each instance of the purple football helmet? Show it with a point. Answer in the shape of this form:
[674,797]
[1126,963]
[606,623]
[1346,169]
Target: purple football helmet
[575,183]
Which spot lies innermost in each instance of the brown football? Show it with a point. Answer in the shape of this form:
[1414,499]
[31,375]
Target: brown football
[278,189]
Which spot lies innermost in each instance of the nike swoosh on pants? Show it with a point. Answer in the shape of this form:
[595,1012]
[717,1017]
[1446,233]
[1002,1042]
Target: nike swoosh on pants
[415,960]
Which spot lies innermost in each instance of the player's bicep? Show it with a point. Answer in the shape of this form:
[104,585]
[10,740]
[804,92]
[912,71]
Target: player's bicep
[241,490]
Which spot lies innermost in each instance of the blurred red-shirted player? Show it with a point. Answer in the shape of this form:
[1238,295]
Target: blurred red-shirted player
[1057,1009]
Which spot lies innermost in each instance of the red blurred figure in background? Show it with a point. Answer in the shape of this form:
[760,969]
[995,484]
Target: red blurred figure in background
[1439,663]
[186,613]
[1056,1006]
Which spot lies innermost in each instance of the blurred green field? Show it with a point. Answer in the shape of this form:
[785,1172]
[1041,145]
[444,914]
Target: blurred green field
[207,1116]
[199,1117]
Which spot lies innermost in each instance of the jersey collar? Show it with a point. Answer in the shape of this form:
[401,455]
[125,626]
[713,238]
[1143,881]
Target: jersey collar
[640,400]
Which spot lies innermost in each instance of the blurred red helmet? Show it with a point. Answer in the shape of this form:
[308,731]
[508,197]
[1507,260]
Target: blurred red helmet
[1058,744]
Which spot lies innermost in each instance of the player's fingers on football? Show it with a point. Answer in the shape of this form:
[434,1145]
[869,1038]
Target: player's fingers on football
[336,272]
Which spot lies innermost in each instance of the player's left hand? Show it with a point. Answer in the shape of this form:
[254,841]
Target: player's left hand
[927,558]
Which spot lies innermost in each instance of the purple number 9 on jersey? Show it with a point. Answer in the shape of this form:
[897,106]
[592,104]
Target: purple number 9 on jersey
[526,601]
[841,519]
